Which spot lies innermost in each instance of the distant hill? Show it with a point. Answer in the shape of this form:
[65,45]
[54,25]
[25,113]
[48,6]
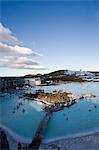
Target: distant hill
[56,73]
[53,74]
[59,75]
[33,76]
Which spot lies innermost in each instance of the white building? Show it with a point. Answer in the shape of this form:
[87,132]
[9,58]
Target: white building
[33,81]
[37,81]
[82,74]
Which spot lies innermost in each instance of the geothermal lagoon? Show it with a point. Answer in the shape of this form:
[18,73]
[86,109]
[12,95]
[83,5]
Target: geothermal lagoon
[74,121]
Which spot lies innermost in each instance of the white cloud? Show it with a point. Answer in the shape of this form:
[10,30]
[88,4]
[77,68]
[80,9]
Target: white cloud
[10,45]
[30,67]
[20,63]
[16,49]
[27,61]
[6,36]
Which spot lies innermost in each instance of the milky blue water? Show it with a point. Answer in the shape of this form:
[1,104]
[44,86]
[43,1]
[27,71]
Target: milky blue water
[76,119]
[20,123]
[70,121]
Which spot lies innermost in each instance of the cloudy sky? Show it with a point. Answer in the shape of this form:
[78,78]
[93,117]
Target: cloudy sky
[42,36]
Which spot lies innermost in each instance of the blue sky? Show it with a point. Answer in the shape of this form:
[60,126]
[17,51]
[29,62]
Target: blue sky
[65,33]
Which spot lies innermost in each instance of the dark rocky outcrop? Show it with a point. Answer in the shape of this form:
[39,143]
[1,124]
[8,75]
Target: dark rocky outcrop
[3,141]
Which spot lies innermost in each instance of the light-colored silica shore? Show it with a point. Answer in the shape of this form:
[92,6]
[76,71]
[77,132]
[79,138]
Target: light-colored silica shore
[83,142]
[87,142]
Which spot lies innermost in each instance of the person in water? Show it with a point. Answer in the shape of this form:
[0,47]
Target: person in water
[23,110]
[67,118]
[13,112]
[17,107]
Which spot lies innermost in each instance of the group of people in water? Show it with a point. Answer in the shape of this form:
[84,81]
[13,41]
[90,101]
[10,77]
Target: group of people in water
[19,105]
[65,116]
[95,106]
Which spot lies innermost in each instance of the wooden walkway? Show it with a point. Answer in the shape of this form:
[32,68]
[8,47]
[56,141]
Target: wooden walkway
[40,132]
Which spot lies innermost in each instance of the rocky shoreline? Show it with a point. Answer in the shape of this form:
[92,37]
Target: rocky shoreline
[56,100]
[4,145]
